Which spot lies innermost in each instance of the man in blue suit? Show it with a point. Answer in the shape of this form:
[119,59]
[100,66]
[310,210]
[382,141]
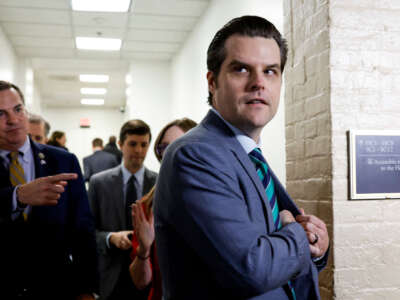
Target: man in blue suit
[225,226]
[48,246]
[99,161]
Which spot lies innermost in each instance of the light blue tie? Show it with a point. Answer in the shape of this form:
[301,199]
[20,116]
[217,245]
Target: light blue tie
[268,183]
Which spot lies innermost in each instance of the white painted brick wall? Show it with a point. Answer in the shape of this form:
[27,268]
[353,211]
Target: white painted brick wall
[344,73]
[308,123]
[365,94]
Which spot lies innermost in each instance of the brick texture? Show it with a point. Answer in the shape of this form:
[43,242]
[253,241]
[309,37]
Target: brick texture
[308,118]
[343,73]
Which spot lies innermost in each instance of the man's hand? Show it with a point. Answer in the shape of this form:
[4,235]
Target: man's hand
[316,232]
[286,217]
[144,229]
[44,190]
[120,239]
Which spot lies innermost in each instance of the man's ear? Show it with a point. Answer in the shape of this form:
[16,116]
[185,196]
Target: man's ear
[212,83]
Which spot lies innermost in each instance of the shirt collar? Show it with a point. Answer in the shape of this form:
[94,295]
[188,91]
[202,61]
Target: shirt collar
[24,149]
[247,142]
[126,174]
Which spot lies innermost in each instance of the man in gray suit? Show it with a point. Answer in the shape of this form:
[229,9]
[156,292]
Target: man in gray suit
[99,161]
[111,194]
[225,226]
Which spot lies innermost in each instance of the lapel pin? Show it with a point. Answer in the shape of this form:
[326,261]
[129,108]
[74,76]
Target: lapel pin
[41,156]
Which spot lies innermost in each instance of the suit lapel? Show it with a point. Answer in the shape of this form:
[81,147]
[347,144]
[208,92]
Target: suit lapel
[251,172]
[41,170]
[285,202]
[117,194]
[223,131]
[39,158]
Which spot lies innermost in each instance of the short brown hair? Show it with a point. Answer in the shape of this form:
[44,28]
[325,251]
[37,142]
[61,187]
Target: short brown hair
[137,127]
[5,85]
[185,124]
[97,142]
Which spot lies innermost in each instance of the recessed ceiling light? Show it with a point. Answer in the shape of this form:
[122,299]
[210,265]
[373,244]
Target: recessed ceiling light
[92,101]
[101,5]
[93,91]
[94,43]
[94,78]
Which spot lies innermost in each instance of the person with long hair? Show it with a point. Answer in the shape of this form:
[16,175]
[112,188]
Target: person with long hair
[58,139]
[144,268]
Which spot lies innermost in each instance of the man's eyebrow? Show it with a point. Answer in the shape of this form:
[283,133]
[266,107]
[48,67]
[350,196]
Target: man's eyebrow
[278,66]
[236,62]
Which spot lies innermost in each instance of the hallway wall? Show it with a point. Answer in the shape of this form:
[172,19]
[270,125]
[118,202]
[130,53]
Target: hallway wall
[8,60]
[188,71]
[104,122]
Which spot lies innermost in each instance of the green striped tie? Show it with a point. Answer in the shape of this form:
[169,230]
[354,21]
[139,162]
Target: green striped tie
[17,175]
[268,183]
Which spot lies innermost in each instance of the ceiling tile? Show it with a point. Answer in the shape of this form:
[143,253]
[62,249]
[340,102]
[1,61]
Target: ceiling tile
[42,30]
[45,52]
[99,19]
[39,42]
[170,7]
[91,31]
[146,55]
[150,46]
[98,54]
[161,22]
[33,15]
[59,4]
[156,35]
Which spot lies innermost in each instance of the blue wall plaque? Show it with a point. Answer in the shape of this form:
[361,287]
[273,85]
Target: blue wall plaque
[374,164]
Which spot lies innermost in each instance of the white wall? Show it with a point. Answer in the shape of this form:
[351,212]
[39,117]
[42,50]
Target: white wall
[8,60]
[188,71]
[19,72]
[150,99]
[104,122]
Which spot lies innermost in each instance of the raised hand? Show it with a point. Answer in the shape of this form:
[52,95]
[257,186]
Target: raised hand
[144,229]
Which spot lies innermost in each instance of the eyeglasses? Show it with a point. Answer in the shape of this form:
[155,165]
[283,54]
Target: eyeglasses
[161,148]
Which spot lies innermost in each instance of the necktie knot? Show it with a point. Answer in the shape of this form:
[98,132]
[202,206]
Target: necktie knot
[13,155]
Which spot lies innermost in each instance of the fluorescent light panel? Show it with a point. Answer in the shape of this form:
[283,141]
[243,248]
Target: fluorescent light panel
[93,91]
[92,101]
[93,43]
[94,78]
[101,5]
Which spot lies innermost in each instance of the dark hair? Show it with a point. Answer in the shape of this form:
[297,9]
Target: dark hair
[185,124]
[251,26]
[5,85]
[112,139]
[54,137]
[137,127]
[97,142]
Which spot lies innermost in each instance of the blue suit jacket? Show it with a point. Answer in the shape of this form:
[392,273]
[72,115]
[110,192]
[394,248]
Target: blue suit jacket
[214,227]
[97,162]
[55,252]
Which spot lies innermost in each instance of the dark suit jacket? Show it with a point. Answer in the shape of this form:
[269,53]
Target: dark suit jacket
[97,162]
[215,236]
[54,254]
[107,202]
[113,149]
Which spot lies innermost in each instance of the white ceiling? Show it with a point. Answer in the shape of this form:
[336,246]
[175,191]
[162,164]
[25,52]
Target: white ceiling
[45,31]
